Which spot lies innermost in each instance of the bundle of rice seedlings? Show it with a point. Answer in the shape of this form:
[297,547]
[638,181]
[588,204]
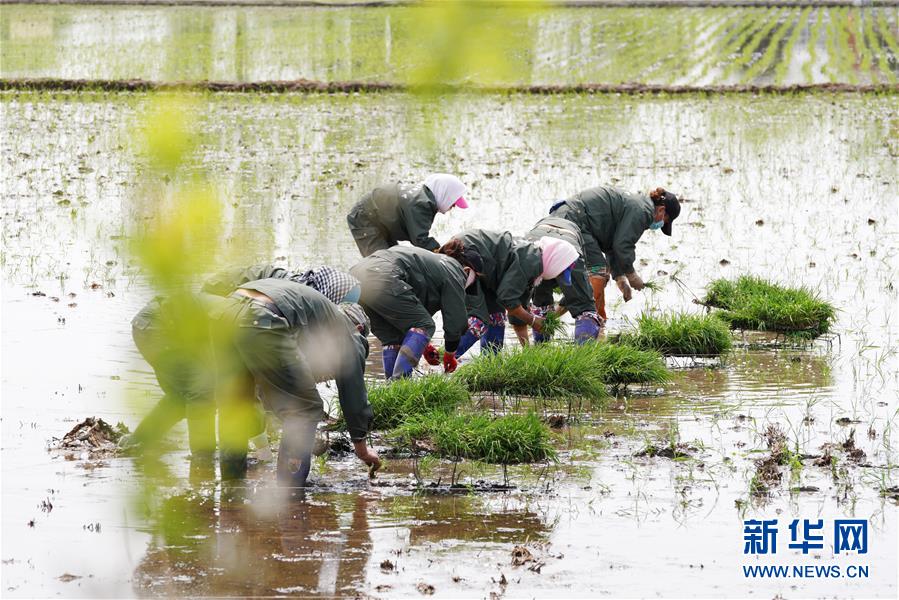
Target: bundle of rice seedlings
[619,365]
[546,370]
[679,335]
[551,370]
[553,325]
[504,440]
[753,303]
[396,401]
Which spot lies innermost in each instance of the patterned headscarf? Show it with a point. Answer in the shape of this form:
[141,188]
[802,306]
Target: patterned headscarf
[332,283]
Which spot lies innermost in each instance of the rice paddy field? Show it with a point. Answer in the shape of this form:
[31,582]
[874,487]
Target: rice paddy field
[660,46]
[642,492]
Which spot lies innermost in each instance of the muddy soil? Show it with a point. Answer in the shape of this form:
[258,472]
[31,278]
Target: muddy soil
[290,167]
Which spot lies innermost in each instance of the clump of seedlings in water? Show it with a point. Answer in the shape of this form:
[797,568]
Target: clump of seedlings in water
[550,370]
[679,335]
[753,303]
[394,402]
[506,440]
[767,470]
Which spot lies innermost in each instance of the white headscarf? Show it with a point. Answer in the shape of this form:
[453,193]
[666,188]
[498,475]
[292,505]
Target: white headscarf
[447,189]
[557,256]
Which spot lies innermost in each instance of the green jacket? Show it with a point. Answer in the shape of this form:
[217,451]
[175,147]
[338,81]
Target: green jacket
[329,343]
[612,222]
[404,213]
[226,281]
[437,281]
[510,268]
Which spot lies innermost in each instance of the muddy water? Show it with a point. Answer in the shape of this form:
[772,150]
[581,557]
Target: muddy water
[770,46]
[764,197]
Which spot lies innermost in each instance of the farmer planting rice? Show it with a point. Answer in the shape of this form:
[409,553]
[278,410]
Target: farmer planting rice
[182,367]
[576,296]
[402,287]
[286,336]
[393,213]
[612,221]
[512,269]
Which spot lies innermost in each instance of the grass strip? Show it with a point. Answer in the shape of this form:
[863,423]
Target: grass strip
[754,303]
[677,334]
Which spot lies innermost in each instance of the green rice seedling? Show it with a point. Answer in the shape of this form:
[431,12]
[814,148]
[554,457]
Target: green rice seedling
[680,335]
[553,325]
[396,401]
[654,286]
[753,303]
[506,440]
[551,370]
[619,365]
[546,370]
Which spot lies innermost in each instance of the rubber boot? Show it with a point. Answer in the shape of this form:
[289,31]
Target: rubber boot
[586,329]
[494,339]
[466,342]
[295,452]
[410,353]
[388,359]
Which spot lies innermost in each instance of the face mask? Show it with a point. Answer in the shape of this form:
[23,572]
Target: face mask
[471,277]
[656,225]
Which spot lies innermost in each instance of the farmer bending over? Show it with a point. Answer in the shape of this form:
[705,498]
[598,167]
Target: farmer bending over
[611,222]
[403,287]
[393,213]
[285,336]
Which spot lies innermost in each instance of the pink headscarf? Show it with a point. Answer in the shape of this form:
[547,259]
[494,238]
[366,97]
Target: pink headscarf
[558,255]
[448,190]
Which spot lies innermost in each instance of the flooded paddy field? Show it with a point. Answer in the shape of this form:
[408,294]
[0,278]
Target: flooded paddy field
[701,46]
[799,189]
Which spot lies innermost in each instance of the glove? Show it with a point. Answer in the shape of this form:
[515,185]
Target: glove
[449,362]
[431,355]
[635,280]
[621,280]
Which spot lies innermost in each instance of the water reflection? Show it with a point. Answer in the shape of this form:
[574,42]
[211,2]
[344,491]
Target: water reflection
[216,543]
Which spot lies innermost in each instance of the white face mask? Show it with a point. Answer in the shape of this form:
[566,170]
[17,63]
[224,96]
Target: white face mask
[470,276]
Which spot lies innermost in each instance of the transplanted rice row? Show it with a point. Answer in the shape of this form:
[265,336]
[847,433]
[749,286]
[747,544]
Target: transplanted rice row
[747,56]
[713,40]
[783,66]
[814,35]
[753,303]
[772,51]
[727,44]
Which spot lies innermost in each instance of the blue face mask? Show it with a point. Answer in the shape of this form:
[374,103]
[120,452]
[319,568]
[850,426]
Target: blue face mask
[656,225]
